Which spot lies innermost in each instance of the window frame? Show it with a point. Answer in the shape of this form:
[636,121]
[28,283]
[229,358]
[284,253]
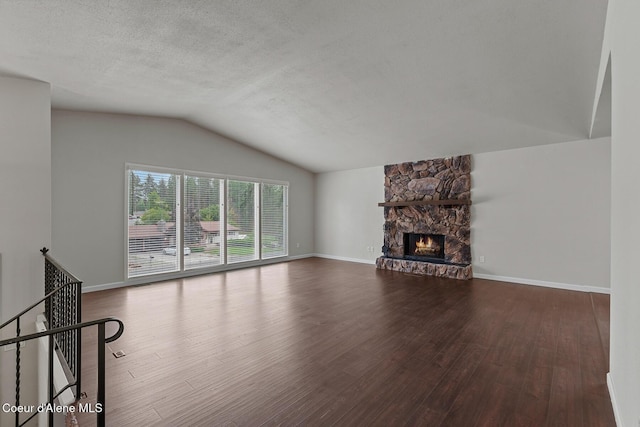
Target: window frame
[127,183]
[181,175]
[285,219]
[222,219]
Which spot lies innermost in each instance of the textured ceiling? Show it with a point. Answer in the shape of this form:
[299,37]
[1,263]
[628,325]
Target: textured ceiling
[327,85]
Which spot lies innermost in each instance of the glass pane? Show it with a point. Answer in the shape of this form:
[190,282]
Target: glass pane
[152,217]
[241,221]
[202,222]
[274,243]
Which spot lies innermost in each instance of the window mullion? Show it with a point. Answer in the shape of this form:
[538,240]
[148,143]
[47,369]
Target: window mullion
[180,200]
[223,221]
[258,221]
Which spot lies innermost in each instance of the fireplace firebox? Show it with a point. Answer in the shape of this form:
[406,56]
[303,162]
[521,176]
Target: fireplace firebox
[424,247]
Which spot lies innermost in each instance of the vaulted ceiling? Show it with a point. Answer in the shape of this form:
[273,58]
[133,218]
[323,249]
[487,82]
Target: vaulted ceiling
[329,84]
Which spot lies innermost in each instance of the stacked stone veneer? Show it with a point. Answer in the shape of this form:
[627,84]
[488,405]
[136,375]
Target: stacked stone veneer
[425,268]
[438,179]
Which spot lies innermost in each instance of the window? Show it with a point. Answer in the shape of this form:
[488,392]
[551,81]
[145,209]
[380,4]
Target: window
[202,221]
[151,222]
[242,221]
[178,221]
[274,220]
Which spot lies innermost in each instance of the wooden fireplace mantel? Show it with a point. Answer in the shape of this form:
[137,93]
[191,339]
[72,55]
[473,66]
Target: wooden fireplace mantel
[449,202]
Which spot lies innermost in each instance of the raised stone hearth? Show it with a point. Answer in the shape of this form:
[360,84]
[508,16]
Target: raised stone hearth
[425,268]
[430,197]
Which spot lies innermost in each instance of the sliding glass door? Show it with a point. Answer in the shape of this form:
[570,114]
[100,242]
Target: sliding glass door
[242,221]
[203,219]
[273,222]
[153,236]
[178,221]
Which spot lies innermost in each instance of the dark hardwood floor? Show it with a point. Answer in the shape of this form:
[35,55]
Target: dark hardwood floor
[322,342]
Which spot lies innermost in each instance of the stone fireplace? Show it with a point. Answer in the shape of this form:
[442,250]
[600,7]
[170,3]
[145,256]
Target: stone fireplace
[427,211]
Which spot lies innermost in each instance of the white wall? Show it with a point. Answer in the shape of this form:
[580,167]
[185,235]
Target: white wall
[623,17]
[25,216]
[89,152]
[541,214]
[348,219]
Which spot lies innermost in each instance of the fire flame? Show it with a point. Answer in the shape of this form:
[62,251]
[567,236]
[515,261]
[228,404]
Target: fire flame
[423,247]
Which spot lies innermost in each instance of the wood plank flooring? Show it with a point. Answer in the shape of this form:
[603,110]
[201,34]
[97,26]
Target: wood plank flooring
[322,342]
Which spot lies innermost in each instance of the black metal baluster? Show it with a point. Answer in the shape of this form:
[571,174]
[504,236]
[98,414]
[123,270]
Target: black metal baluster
[17,371]
[51,390]
[78,347]
[67,321]
[101,375]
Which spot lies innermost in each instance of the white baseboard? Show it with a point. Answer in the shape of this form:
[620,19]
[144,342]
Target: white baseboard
[341,258]
[567,286]
[614,403]
[295,257]
[189,273]
[103,287]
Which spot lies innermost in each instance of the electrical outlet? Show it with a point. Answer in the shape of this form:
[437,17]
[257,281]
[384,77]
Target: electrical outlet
[481,258]
[12,347]
[297,245]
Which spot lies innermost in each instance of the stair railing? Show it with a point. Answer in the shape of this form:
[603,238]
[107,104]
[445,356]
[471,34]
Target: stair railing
[62,300]
[63,307]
